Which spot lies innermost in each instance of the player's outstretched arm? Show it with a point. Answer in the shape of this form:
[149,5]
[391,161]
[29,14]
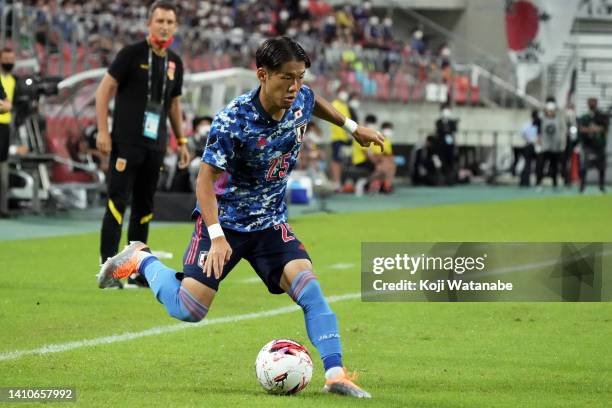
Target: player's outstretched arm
[220,251]
[363,135]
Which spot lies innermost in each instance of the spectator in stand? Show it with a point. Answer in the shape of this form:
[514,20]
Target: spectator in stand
[387,32]
[417,44]
[444,55]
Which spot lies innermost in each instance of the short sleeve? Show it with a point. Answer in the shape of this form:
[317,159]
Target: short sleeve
[178,86]
[309,97]
[120,66]
[219,149]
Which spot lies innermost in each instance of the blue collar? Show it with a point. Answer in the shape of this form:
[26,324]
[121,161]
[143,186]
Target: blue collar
[260,109]
[265,115]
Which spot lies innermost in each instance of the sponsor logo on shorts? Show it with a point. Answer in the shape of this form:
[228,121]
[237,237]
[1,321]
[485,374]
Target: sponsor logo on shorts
[202,258]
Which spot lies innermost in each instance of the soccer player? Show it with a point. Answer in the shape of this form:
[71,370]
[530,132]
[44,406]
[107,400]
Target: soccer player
[252,148]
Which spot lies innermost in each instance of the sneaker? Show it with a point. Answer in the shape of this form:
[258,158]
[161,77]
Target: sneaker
[344,385]
[121,265]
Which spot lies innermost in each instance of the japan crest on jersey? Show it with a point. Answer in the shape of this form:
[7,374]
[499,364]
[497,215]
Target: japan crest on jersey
[300,131]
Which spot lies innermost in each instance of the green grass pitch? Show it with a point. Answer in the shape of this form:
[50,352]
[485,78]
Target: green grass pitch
[407,354]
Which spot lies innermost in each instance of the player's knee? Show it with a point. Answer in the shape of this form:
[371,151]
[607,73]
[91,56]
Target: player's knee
[188,309]
[188,317]
[306,292]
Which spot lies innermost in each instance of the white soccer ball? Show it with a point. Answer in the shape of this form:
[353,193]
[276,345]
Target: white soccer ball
[283,367]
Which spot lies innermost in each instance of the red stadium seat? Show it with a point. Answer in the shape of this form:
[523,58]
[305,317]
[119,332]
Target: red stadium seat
[474,95]
[461,86]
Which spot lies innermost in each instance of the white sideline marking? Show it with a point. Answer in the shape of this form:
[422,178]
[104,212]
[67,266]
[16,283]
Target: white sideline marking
[254,279]
[59,348]
[342,266]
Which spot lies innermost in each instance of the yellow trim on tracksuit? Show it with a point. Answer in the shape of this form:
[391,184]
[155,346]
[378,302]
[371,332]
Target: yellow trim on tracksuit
[115,212]
[146,218]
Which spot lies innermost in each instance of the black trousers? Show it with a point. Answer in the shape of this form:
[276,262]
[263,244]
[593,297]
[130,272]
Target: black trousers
[592,158]
[552,158]
[133,174]
[5,133]
[528,153]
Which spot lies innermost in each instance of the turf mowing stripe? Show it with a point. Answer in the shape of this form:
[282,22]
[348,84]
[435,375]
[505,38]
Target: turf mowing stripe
[58,348]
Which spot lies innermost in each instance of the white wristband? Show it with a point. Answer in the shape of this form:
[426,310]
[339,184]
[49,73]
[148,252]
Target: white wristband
[215,231]
[350,126]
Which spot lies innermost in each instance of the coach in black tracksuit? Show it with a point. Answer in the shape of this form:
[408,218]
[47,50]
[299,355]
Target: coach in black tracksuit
[147,78]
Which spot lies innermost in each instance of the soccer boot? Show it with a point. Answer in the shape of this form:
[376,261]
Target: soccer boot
[344,385]
[121,265]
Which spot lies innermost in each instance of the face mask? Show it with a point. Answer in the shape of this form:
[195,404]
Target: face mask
[551,106]
[355,104]
[446,113]
[8,67]
[343,96]
[418,35]
[388,133]
[159,43]
[292,32]
[445,52]
[203,131]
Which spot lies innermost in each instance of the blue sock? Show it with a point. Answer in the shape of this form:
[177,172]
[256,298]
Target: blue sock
[321,322]
[177,300]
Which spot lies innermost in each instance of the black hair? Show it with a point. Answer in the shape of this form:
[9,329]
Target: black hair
[386,125]
[163,4]
[274,52]
[198,119]
[371,118]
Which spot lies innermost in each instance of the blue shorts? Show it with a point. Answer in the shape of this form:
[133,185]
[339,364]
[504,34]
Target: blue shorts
[268,251]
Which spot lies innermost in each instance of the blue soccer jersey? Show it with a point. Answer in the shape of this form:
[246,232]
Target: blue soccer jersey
[257,155]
